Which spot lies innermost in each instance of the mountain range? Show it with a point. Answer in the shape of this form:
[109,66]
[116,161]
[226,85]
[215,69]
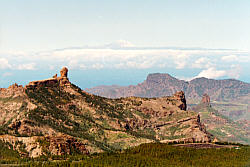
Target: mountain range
[160,84]
[55,117]
[226,115]
[231,97]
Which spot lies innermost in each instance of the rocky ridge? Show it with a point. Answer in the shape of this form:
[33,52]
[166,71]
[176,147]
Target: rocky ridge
[229,96]
[54,116]
[160,84]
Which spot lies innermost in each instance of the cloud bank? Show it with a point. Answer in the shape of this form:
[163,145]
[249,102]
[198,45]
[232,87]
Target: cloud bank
[210,63]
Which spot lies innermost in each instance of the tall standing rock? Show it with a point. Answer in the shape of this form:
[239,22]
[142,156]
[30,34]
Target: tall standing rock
[64,72]
[205,99]
[181,96]
[64,77]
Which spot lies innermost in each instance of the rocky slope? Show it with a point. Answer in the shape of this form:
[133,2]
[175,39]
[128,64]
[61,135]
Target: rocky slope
[223,128]
[55,117]
[232,97]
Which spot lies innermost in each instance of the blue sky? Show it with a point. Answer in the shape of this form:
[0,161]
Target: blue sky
[117,41]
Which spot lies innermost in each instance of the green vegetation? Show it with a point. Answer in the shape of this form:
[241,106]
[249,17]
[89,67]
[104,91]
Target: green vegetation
[152,155]
[51,111]
[7,154]
[56,109]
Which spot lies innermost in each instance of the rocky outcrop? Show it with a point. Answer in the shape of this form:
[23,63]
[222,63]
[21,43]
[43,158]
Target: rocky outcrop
[42,83]
[205,99]
[61,145]
[163,116]
[63,116]
[39,145]
[14,90]
[64,72]
[62,80]
[15,86]
[26,146]
[181,97]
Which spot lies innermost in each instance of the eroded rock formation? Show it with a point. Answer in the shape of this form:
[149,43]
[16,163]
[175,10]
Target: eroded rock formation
[64,72]
[181,96]
[62,80]
[205,99]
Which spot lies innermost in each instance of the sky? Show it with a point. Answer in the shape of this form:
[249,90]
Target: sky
[121,42]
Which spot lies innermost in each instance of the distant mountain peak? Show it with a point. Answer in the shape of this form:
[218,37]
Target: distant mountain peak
[159,77]
[165,75]
[163,84]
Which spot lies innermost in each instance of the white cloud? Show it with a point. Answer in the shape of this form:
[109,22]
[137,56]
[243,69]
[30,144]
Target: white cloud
[211,73]
[29,66]
[230,58]
[202,62]
[124,55]
[134,65]
[180,61]
[233,72]
[4,63]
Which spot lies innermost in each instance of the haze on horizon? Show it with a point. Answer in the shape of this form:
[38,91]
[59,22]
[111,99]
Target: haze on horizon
[121,42]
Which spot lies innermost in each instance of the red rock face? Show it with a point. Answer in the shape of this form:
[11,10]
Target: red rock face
[205,99]
[62,145]
[181,96]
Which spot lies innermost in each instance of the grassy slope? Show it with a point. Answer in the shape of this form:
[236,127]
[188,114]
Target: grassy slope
[7,154]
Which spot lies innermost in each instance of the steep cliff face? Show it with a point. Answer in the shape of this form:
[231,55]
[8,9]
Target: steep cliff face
[50,110]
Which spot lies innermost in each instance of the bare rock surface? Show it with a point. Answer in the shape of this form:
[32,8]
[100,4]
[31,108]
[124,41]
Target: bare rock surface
[205,99]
